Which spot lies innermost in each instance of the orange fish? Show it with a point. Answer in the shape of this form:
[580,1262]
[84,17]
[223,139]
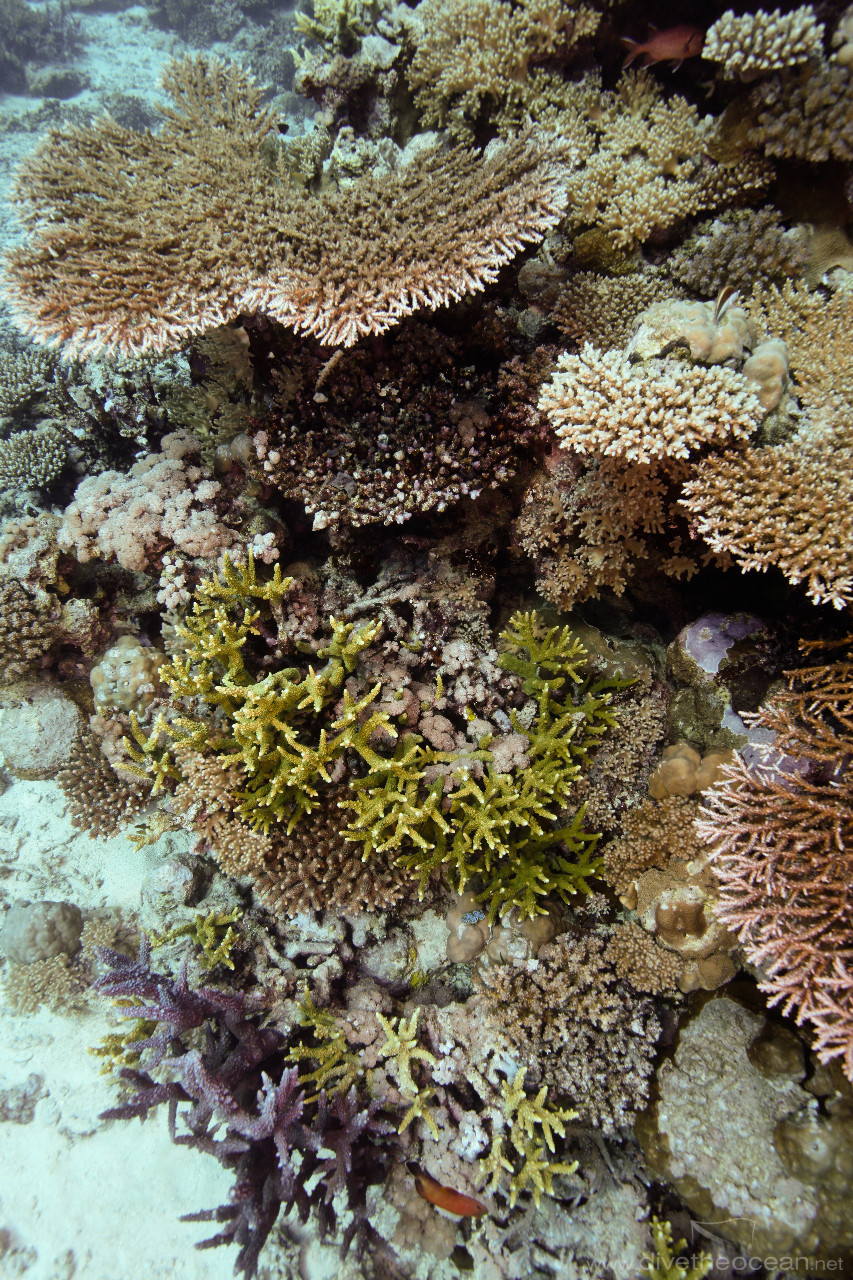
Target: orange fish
[442,1197]
[673,45]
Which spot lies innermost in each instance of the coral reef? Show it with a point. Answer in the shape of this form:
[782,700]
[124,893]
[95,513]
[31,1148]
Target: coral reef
[368,364]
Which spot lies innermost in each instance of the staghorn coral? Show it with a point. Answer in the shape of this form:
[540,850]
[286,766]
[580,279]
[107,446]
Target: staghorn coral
[665,1263]
[805,114]
[756,42]
[600,403]
[283,1148]
[165,499]
[475,58]
[499,829]
[110,197]
[781,834]
[736,249]
[579,1028]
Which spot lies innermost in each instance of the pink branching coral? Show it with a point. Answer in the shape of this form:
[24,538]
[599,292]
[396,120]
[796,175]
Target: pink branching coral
[782,840]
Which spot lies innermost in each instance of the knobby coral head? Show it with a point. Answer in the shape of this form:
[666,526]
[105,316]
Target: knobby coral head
[139,240]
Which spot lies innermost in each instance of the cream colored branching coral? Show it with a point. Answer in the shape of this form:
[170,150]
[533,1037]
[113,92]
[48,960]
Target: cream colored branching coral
[599,402]
[761,41]
[472,54]
[644,163]
[791,505]
[782,839]
[139,240]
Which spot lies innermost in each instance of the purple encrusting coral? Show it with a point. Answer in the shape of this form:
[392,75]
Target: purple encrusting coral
[286,1151]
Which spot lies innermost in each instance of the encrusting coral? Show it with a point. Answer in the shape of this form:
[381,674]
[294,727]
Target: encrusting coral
[384,253]
[781,833]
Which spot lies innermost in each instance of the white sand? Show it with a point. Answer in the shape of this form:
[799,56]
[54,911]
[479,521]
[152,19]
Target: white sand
[80,1197]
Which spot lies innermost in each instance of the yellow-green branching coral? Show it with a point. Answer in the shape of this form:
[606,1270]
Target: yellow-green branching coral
[499,828]
[213,933]
[665,1263]
[276,725]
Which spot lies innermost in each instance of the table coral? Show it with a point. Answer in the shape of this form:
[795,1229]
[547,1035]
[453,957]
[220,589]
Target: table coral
[389,255]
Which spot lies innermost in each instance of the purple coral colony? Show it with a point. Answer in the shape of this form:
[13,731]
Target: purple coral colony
[426,564]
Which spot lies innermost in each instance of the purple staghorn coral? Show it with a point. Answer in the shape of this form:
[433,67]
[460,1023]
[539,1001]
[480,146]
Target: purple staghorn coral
[232,1082]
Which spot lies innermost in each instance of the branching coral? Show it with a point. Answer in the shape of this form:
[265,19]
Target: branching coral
[806,113]
[644,163]
[598,402]
[780,505]
[782,835]
[27,629]
[378,437]
[760,41]
[498,827]
[284,1149]
[580,1029]
[478,57]
[31,459]
[738,248]
[99,801]
[105,200]
[600,310]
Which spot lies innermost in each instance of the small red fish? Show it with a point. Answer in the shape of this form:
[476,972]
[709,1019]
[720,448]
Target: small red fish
[673,45]
[442,1197]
